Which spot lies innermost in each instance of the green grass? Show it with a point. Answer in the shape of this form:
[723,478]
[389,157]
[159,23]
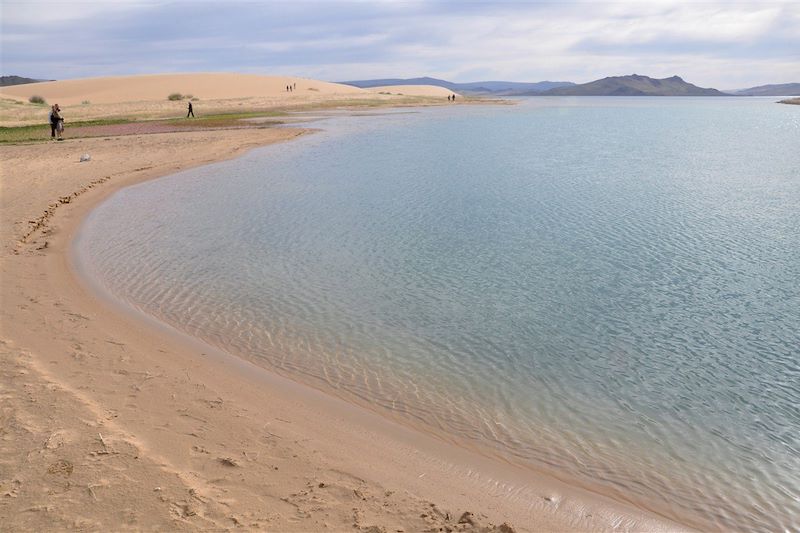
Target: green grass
[41,132]
[222,120]
[24,133]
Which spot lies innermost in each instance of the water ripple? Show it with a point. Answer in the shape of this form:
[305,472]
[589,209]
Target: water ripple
[608,291]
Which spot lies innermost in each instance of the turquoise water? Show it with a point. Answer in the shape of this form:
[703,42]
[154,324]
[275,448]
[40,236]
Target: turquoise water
[604,288]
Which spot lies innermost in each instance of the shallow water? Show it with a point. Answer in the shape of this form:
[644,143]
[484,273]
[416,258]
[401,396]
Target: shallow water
[605,288]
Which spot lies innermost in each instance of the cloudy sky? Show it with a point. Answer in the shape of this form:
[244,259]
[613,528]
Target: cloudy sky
[711,43]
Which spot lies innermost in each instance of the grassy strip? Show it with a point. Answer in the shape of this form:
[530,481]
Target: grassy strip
[13,134]
[41,132]
[220,120]
[38,132]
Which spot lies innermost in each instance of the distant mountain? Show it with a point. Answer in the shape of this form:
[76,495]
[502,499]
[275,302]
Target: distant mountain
[783,89]
[635,85]
[499,88]
[6,81]
[510,88]
[366,84]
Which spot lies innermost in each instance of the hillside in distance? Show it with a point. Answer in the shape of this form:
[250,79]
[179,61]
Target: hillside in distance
[782,89]
[7,81]
[635,85]
[497,88]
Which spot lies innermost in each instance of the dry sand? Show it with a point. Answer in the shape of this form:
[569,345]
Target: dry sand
[111,421]
[157,87]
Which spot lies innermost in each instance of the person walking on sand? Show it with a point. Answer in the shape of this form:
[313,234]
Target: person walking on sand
[191,111]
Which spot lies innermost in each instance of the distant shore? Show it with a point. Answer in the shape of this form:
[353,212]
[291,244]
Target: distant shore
[119,420]
[792,101]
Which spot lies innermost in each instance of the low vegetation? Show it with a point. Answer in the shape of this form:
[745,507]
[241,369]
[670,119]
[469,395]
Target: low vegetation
[41,132]
[179,96]
[36,129]
[36,99]
[227,120]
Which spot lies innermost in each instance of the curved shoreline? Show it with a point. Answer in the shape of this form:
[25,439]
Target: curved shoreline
[346,441]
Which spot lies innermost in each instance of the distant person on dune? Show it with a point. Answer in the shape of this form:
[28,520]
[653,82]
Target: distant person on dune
[191,111]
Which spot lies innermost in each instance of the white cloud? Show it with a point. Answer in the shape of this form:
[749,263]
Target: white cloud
[35,13]
[722,44]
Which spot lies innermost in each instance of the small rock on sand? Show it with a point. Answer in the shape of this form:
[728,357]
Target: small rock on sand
[467,518]
[228,461]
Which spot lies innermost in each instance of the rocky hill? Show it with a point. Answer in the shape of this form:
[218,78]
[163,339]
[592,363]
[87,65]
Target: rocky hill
[635,85]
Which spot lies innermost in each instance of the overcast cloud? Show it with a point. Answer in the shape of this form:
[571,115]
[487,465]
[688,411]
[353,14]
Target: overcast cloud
[713,44]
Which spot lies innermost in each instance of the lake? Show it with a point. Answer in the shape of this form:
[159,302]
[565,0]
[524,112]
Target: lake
[607,289]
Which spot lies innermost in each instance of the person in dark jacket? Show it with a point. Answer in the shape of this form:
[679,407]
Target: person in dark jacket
[51,117]
[56,122]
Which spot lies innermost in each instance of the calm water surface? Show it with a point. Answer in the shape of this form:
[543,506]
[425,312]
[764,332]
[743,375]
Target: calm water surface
[606,288]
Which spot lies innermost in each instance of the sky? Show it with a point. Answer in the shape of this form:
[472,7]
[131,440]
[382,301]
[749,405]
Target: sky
[725,45]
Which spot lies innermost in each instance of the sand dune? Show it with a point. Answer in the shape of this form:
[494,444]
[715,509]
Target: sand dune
[204,86]
[412,90]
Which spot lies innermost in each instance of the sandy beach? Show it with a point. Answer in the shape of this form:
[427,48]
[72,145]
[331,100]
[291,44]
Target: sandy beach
[113,421]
